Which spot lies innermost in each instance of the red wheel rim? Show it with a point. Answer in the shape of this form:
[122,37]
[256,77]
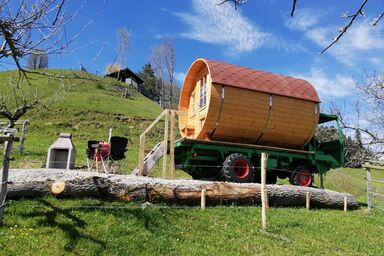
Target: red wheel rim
[241,168]
[303,178]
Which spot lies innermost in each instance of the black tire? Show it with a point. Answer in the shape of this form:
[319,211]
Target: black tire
[237,168]
[302,176]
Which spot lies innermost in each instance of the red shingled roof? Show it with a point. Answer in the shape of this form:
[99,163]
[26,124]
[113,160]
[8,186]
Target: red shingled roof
[247,78]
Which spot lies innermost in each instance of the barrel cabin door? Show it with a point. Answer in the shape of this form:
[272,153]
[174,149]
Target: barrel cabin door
[198,105]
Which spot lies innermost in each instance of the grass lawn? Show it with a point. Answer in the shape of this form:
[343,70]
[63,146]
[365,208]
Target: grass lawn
[50,226]
[353,181]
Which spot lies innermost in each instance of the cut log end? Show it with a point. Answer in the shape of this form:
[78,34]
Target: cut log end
[58,188]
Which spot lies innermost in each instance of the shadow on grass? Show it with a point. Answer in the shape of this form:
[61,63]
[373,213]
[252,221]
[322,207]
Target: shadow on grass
[72,229]
[66,219]
[150,218]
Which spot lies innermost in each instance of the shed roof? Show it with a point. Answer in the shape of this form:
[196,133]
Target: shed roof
[252,79]
[124,73]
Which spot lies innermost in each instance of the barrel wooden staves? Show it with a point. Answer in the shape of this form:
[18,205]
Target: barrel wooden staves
[224,102]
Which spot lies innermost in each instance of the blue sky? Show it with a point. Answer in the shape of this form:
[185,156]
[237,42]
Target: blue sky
[260,35]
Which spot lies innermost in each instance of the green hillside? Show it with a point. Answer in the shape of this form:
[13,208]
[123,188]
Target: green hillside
[87,109]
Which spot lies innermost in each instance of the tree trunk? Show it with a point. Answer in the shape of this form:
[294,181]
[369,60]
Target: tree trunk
[33,183]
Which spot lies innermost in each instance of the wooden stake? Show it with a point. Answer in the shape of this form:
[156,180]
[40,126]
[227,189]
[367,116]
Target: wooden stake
[263,195]
[4,174]
[58,187]
[109,136]
[321,180]
[23,134]
[141,154]
[172,146]
[345,204]
[166,132]
[308,200]
[368,178]
[203,194]
[97,160]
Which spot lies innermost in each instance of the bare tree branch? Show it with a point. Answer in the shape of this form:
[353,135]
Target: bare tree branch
[293,7]
[60,7]
[237,3]
[156,60]
[162,60]
[377,20]
[344,29]
[26,28]
[169,59]
[123,45]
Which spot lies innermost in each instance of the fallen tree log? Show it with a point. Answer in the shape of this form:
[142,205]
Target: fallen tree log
[33,183]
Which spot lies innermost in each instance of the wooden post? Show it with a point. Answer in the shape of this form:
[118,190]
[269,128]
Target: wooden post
[4,174]
[202,204]
[263,195]
[321,180]
[109,136]
[368,178]
[166,132]
[23,134]
[141,154]
[97,159]
[172,146]
[345,204]
[308,200]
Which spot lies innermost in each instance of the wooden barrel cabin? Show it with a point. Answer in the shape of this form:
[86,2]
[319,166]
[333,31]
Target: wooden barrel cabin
[224,102]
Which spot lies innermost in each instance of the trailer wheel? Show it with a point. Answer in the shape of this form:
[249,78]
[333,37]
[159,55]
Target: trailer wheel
[237,168]
[302,176]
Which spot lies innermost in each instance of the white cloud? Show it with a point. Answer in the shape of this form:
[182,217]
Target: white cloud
[303,19]
[360,41]
[319,35]
[376,61]
[358,44]
[223,25]
[179,76]
[329,87]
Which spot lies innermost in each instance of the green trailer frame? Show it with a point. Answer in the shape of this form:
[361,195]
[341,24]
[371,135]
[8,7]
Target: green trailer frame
[204,159]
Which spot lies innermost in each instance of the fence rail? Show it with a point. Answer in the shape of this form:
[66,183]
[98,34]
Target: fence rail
[375,194]
[20,132]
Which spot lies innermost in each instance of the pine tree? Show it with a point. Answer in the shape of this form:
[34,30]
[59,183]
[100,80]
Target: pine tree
[150,87]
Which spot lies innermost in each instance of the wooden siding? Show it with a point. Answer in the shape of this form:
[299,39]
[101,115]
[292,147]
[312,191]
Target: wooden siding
[245,116]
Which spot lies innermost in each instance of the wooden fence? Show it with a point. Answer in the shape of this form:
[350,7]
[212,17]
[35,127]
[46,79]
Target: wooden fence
[169,135]
[375,186]
[20,130]
[7,140]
